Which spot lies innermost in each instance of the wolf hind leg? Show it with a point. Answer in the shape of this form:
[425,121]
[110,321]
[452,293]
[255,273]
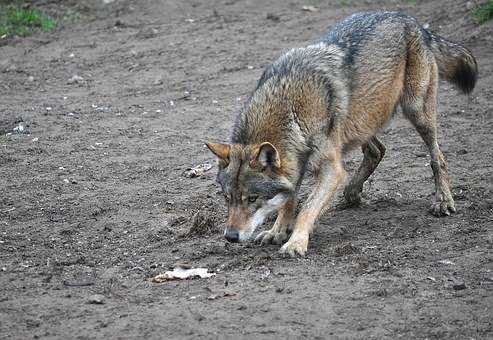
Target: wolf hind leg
[373,152]
[419,104]
[279,232]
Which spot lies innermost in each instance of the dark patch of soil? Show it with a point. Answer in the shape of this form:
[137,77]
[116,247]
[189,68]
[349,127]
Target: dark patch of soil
[93,201]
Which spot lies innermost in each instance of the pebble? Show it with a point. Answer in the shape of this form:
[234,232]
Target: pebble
[446,262]
[75,80]
[273,17]
[309,8]
[96,299]
[20,128]
[459,285]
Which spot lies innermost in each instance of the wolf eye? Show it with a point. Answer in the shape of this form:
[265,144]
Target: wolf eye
[252,198]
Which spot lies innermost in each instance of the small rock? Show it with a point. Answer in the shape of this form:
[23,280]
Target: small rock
[459,285]
[309,8]
[30,79]
[448,262]
[462,152]
[20,128]
[119,23]
[273,17]
[71,55]
[96,299]
[426,26]
[75,80]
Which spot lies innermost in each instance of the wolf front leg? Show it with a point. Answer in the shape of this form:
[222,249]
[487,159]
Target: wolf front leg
[278,233]
[329,177]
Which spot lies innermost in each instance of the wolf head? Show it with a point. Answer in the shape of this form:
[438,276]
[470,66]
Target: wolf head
[253,185]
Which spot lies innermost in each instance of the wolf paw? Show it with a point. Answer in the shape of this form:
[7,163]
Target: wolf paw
[271,237]
[295,246]
[443,208]
[352,196]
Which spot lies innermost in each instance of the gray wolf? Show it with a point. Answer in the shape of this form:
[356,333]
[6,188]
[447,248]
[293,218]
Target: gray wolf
[316,103]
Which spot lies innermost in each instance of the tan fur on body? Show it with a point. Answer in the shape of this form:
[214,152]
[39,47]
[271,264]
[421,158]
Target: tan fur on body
[316,103]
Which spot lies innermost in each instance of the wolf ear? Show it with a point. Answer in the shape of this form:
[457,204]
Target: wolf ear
[221,151]
[266,156]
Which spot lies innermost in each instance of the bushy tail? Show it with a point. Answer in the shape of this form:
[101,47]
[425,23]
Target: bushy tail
[456,63]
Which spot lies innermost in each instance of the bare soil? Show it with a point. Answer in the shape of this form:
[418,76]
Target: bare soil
[94,198]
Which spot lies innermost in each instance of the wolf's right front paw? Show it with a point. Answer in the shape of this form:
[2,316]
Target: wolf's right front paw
[271,237]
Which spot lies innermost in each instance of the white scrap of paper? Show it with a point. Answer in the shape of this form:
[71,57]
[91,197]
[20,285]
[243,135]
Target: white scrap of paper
[182,274]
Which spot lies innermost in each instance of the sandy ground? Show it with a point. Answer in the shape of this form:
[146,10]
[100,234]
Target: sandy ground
[93,199]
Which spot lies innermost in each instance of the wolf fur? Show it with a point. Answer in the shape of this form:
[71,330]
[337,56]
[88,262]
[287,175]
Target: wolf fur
[316,103]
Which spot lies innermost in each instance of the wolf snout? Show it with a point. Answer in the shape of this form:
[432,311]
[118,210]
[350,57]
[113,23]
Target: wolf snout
[232,235]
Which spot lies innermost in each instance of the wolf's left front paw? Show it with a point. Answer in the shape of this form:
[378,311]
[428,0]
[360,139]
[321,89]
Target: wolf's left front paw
[443,208]
[297,245]
[352,195]
[271,237]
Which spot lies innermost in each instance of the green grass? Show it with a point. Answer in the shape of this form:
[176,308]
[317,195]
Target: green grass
[484,12]
[15,21]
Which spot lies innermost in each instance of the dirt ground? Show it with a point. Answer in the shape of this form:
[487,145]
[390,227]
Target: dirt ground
[94,200]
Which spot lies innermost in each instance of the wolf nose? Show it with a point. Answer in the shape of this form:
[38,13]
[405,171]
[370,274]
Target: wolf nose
[232,235]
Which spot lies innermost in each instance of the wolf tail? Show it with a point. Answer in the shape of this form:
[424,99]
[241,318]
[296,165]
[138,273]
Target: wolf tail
[456,63]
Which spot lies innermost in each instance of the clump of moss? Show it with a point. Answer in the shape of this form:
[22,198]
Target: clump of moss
[483,12]
[16,21]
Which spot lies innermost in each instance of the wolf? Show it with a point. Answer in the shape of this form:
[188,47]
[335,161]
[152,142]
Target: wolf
[316,103]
